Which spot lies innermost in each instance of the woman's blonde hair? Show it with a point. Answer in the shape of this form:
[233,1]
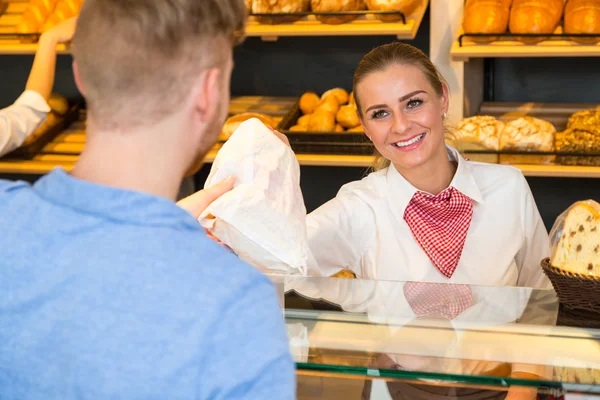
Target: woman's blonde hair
[382,57]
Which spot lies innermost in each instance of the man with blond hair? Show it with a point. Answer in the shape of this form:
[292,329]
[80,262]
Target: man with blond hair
[109,289]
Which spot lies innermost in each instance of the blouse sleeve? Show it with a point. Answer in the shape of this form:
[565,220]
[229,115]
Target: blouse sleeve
[535,246]
[20,120]
[338,233]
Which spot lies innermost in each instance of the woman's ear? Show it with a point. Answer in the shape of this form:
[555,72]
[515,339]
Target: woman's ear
[445,98]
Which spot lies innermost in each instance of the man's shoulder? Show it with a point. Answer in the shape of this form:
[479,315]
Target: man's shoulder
[8,186]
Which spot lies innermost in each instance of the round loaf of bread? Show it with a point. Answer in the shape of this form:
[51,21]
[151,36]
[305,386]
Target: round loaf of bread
[309,102]
[303,120]
[321,122]
[479,132]
[528,134]
[328,104]
[357,129]
[340,94]
[232,123]
[347,117]
[336,5]
[406,6]
[297,128]
[338,128]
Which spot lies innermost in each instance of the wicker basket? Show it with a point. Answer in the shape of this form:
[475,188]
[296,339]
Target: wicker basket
[575,291]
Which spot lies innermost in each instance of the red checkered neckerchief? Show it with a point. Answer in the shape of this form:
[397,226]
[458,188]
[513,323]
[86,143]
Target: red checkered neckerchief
[438,299]
[440,224]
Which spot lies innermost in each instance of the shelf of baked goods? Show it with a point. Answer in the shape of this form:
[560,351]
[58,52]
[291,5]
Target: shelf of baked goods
[22,21]
[527,28]
[333,20]
[20,26]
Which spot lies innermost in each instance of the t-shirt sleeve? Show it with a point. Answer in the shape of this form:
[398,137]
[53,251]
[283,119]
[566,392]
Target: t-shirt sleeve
[250,357]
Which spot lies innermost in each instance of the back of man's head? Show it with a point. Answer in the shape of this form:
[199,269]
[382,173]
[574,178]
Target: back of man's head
[137,59]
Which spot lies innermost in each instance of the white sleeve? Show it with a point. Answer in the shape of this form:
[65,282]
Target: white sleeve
[535,246]
[21,119]
[338,233]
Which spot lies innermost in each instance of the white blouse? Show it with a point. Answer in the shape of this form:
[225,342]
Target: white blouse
[363,230]
[21,119]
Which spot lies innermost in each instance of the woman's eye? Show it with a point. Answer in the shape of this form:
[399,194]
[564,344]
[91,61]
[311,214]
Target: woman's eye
[414,103]
[379,114]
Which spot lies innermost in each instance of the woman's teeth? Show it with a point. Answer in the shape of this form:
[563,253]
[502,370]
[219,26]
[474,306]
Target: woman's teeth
[410,142]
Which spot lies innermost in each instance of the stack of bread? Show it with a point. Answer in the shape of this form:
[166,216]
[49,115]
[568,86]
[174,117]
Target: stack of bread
[532,17]
[234,122]
[582,135]
[578,234]
[332,6]
[334,111]
[523,134]
[41,15]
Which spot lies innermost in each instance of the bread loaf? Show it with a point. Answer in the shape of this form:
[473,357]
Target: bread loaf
[479,133]
[583,16]
[535,16]
[347,117]
[328,104]
[309,102]
[578,249]
[486,16]
[340,94]
[35,15]
[407,7]
[232,123]
[321,122]
[279,7]
[528,134]
[64,10]
[336,5]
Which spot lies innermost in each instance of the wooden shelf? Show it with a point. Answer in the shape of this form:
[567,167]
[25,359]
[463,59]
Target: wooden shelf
[308,26]
[365,25]
[44,163]
[548,48]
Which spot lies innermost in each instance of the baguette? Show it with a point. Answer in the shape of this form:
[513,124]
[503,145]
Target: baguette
[535,16]
[583,16]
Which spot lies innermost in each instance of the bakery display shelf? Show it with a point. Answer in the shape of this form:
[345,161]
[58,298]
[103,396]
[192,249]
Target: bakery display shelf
[558,44]
[366,23]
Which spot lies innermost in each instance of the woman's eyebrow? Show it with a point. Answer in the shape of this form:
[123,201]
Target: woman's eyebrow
[400,100]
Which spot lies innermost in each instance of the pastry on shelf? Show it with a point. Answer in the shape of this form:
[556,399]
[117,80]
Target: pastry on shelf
[583,16]
[309,102]
[535,16]
[35,15]
[232,123]
[407,7]
[64,10]
[340,94]
[321,121]
[328,104]
[344,274]
[576,140]
[479,133]
[527,134]
[336,6]
[347,117]
[578,249]
[279,7]
[586,120]
[486,16]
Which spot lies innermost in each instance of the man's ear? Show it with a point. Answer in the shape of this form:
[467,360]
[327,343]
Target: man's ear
[207,94]
[78,78]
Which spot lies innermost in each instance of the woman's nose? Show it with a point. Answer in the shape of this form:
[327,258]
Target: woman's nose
[401,123]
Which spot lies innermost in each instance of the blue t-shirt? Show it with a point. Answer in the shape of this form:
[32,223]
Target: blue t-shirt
[107,293]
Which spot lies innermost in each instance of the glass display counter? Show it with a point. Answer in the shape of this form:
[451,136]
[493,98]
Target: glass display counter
[361,339]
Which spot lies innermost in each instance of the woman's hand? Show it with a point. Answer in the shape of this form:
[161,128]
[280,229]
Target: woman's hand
[199,201]
[61,33]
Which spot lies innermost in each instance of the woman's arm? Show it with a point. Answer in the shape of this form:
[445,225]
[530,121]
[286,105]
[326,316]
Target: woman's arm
[41,77]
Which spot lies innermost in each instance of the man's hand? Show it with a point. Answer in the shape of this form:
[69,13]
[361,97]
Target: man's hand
[281,137]
[199,201]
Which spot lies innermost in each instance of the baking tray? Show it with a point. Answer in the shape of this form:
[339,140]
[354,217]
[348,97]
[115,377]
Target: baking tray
[32,147]
[343,143]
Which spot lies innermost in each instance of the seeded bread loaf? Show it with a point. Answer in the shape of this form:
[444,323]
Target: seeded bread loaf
[578,249]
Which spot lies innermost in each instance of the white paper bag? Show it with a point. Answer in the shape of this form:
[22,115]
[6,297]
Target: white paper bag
[263,219]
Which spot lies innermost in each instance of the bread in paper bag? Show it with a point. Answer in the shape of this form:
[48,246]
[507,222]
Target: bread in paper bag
[263,219]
